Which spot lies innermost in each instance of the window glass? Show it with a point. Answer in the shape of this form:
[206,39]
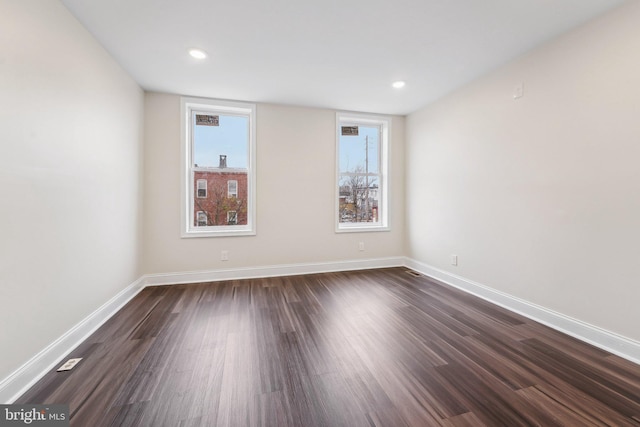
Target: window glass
[219,150]
[362,181]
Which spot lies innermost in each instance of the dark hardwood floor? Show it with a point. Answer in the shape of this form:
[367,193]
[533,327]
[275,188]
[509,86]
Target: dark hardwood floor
[371,348]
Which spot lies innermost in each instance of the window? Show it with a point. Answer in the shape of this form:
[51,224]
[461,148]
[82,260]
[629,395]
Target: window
[232,188]
[362,169]
[232,217]
[202,219]
[218,189]
[202,188]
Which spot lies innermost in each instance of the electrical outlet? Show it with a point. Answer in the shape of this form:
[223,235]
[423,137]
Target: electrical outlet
[69,364]
[224,255]
[361,246]
[454,259]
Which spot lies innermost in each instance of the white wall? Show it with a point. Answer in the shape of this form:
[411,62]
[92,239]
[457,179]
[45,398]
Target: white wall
[295,195]
[70,177]
[540,197]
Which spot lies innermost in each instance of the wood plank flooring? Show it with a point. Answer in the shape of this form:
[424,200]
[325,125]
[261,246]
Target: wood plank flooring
[369,348]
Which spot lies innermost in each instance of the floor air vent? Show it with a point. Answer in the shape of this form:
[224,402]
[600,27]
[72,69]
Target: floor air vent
[414,273]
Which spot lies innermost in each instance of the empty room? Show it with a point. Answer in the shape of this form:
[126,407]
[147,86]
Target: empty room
[278,213]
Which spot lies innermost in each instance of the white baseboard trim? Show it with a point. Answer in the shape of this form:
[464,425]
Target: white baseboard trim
[270,271]
[28,374]
[601,338]
[17,383]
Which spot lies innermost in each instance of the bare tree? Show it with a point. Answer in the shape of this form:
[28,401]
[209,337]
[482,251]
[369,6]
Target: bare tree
[355,188]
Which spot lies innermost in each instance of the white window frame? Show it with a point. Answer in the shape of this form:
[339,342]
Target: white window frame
[384,122]
[187,106]
[229,192]
[198,182]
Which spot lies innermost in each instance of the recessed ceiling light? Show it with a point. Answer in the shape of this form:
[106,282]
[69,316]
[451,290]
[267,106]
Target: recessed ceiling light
[399,84]
[197,53]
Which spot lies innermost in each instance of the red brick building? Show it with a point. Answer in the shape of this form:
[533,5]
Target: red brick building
[220,196]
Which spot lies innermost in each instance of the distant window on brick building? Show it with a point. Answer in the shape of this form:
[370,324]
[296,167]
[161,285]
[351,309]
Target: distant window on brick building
[202,188]
[202,219]
[232,188]
[232,217]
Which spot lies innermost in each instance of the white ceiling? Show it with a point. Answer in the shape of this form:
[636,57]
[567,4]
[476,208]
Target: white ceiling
[341,54]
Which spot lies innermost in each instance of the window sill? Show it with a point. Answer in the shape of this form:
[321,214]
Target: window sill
[217,233]
[362,228]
